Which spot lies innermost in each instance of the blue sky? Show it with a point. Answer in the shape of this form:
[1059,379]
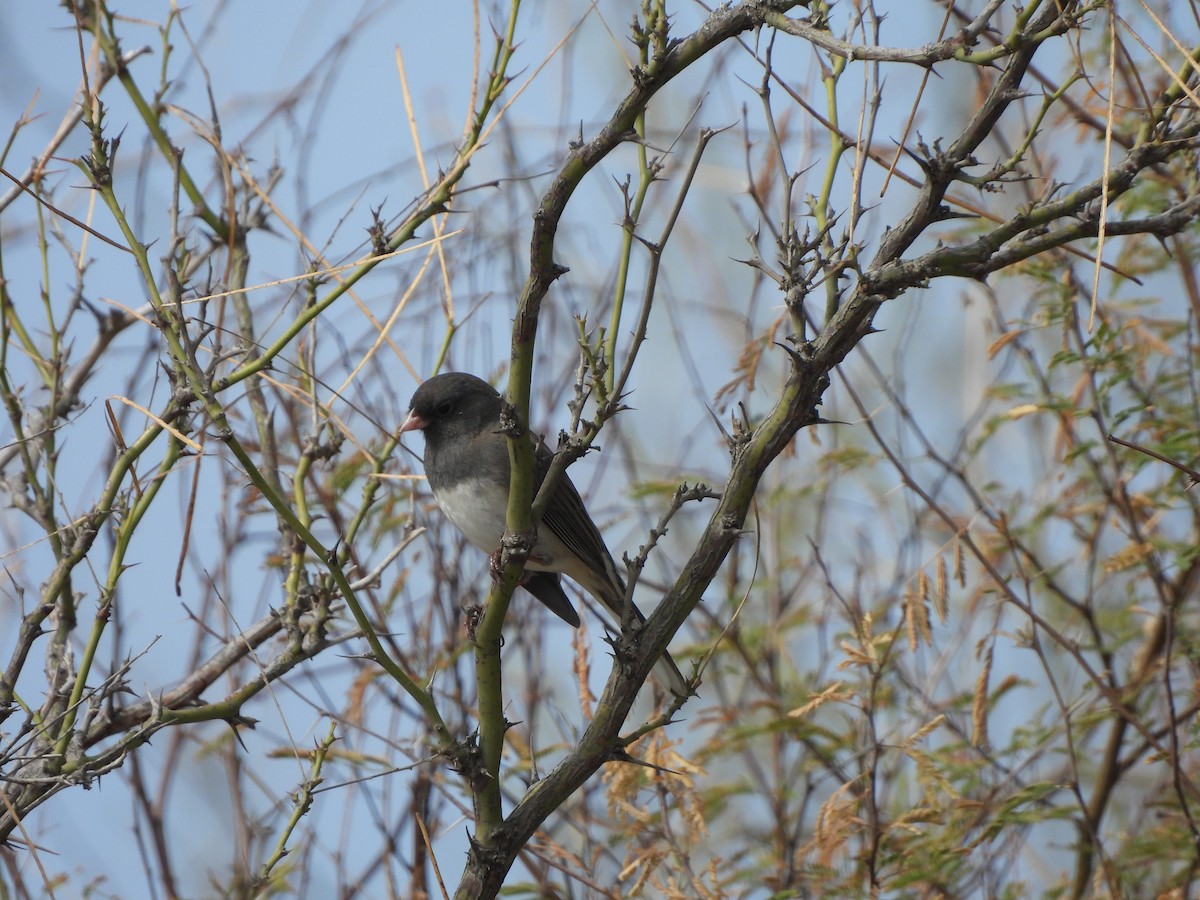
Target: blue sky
[346,147]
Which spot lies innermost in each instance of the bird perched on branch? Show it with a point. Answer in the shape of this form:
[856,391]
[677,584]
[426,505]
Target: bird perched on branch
[466,462]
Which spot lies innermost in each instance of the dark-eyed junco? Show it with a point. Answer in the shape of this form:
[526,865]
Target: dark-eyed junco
[466,462]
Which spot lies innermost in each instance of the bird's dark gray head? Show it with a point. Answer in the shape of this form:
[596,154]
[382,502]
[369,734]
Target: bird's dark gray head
[454,402]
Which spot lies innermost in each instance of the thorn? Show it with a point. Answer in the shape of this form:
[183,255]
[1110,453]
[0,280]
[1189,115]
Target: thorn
[798,358]
[622,756]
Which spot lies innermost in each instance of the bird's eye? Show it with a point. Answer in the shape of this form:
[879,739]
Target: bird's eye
[444,408]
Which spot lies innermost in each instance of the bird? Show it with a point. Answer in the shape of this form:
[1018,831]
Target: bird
[467,467]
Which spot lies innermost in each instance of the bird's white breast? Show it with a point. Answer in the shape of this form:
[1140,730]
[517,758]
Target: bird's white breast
[478,508]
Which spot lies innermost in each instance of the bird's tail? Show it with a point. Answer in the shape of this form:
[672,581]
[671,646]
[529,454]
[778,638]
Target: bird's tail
[665,672]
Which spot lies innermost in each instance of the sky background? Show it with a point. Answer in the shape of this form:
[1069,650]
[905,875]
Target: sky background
[315,88]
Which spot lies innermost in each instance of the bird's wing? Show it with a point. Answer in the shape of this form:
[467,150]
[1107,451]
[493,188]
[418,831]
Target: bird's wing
[567,519]
[548,589]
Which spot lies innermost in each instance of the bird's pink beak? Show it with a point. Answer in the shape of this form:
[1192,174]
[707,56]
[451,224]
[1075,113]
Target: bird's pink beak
[413,423]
